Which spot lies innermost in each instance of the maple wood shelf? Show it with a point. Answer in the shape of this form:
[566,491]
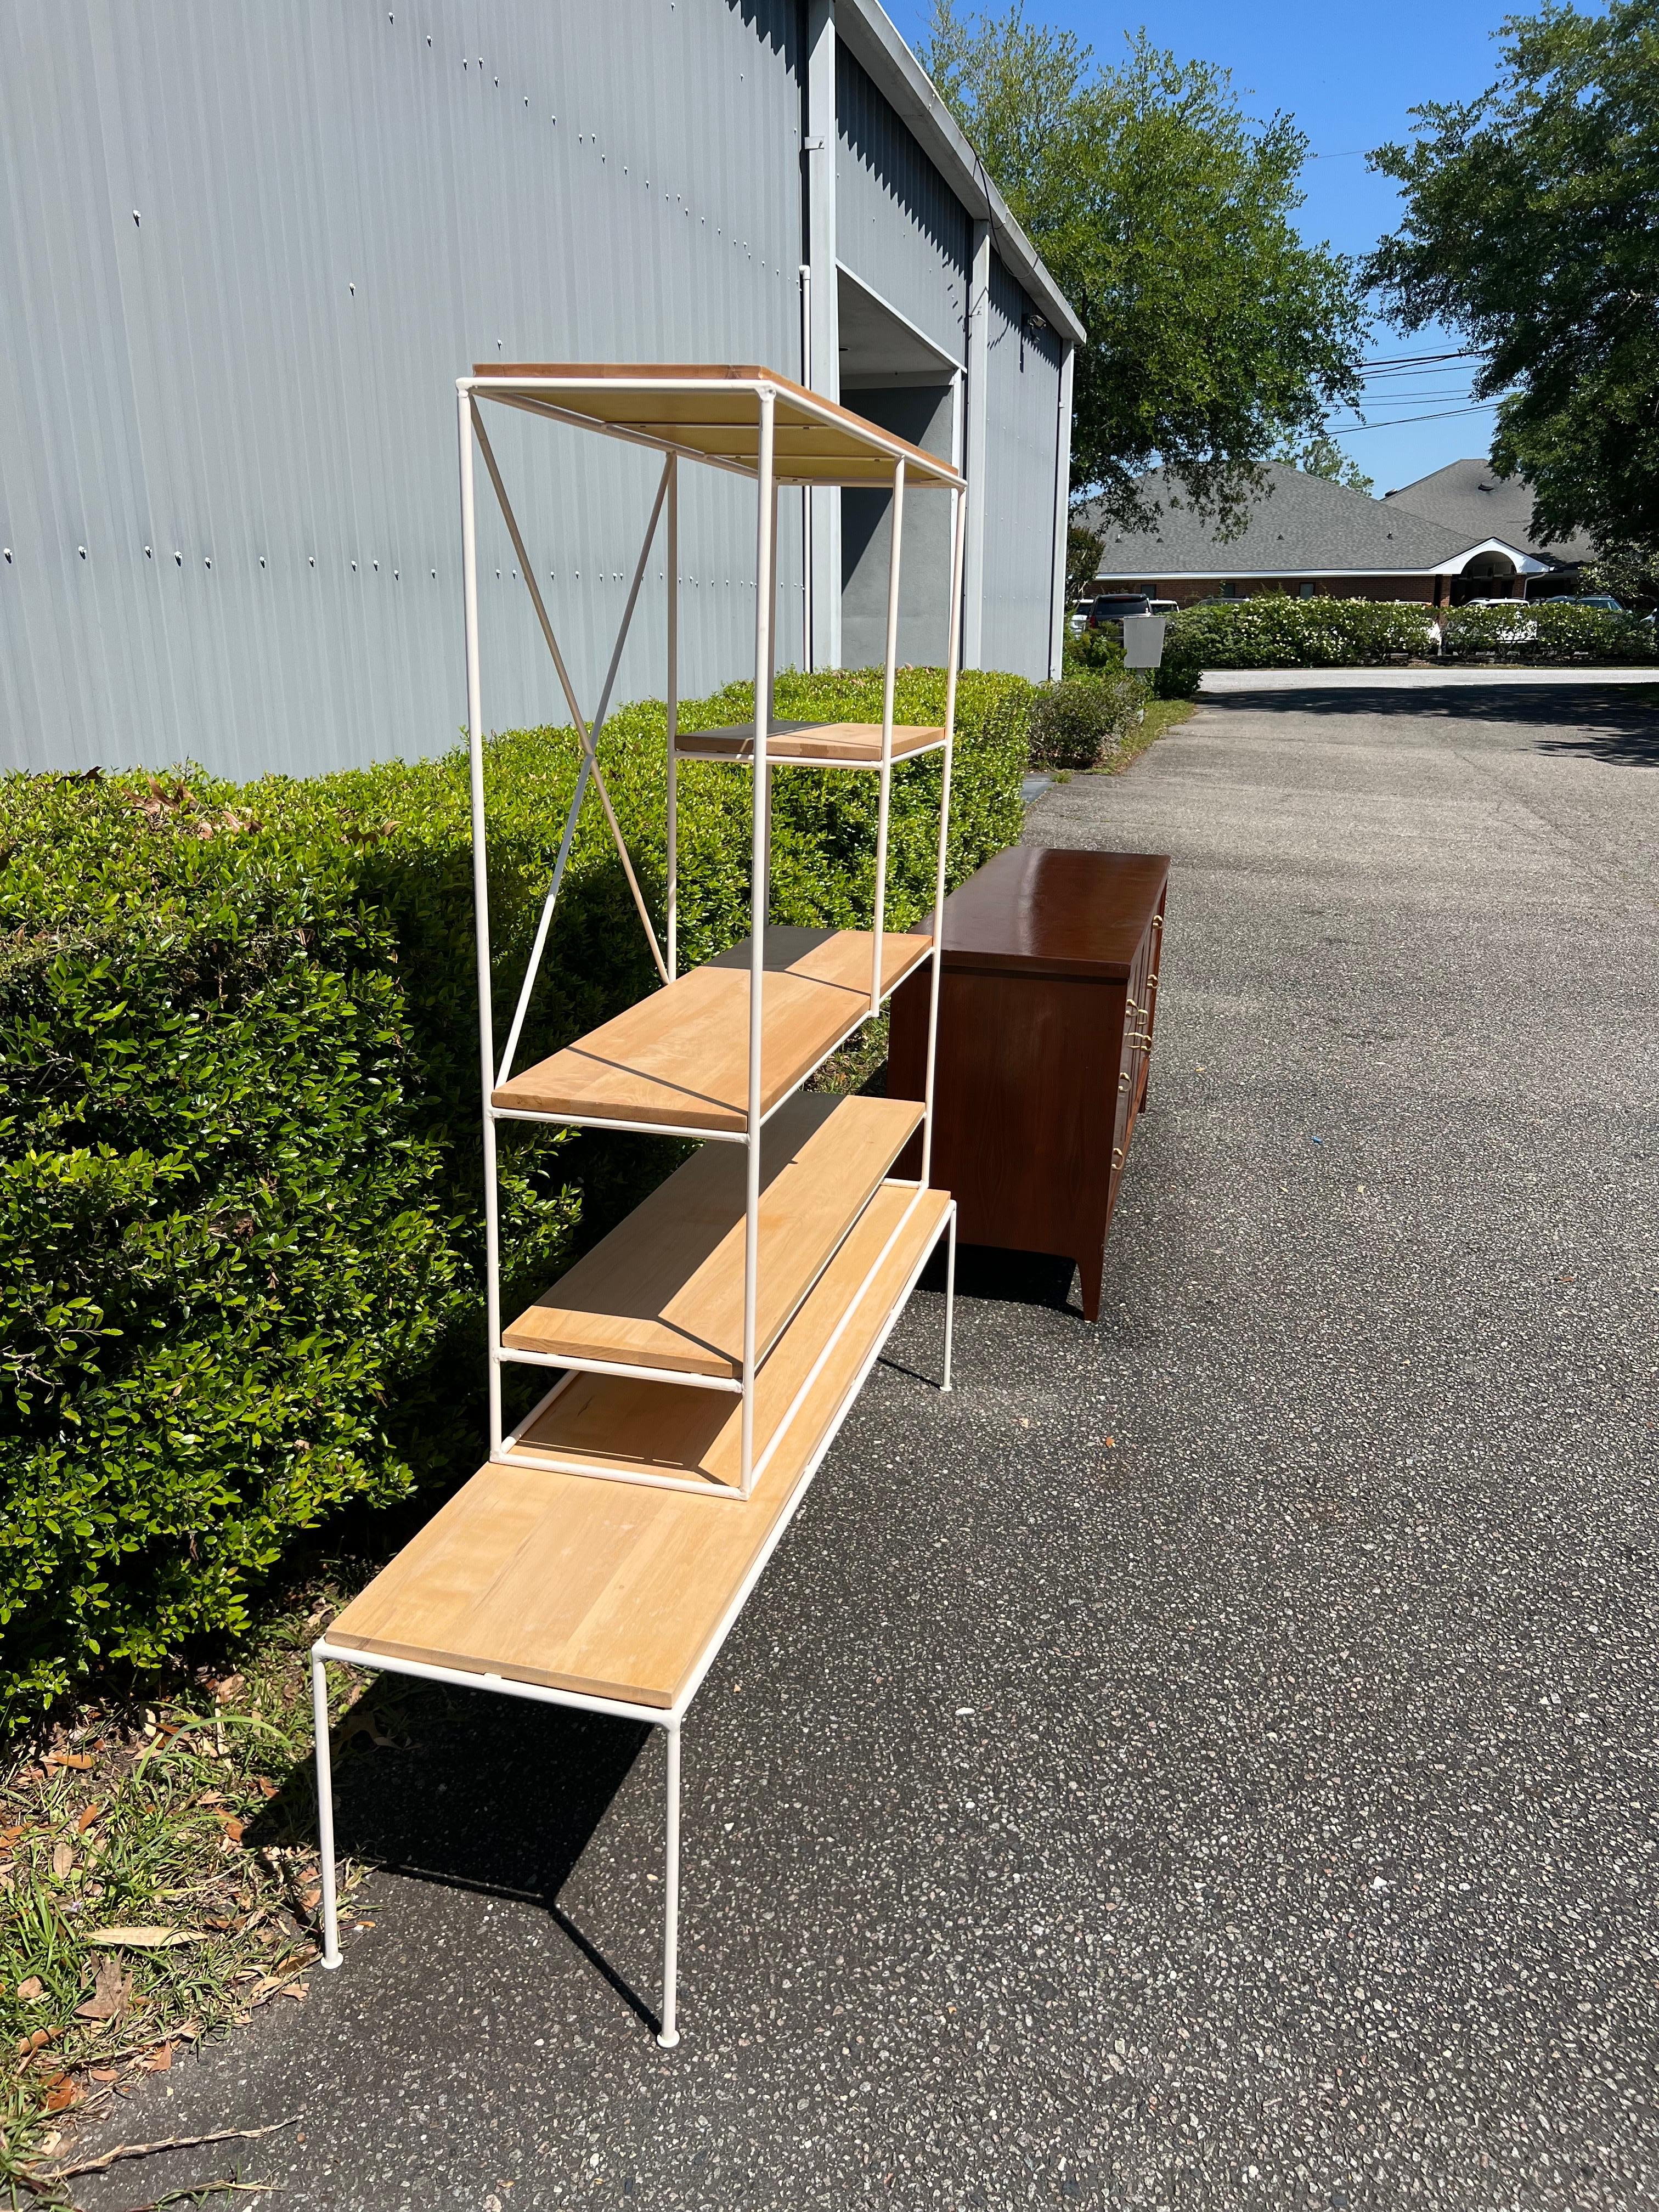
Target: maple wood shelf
[609,1589]
[811,745]
[664,1288]
[679,1060]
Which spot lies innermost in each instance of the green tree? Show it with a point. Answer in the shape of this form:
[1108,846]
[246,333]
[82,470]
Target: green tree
[1323,457]
[1532,226]
[1084,548]
[1214,334]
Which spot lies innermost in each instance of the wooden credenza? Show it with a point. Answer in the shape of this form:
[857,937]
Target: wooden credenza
[1048,999]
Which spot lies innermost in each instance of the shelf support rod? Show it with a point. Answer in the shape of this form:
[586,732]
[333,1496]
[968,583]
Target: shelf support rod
[673,578]
[766,507]
[959,534]
[668,2034]
[468,422]
[889,674]
[588,734]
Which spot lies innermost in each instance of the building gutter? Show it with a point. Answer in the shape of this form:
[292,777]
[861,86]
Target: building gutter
[874,44]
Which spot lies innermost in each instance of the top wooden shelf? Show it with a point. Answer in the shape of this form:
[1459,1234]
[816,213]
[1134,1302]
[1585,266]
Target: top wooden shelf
[680,1058]
[811,745]
[710,411]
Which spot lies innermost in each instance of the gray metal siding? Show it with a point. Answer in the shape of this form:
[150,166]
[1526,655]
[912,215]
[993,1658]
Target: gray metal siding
[240,403]
[899,226]
[1023,405]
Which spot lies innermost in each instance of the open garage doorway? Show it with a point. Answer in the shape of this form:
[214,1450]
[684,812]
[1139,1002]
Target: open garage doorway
[897,377]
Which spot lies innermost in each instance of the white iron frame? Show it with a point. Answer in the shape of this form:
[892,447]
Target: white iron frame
[539,396]
[542,395]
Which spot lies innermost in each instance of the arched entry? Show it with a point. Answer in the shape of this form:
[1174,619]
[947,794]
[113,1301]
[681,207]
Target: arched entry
[1485,576]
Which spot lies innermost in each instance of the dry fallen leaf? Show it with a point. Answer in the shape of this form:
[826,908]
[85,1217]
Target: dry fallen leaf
[160,2061]
[63,1861]
[105,2073]
[81,1759]
[110,1991]
[231,1825]
[225,1690]
[296,1990]
[60,2098]
[143,1939]
[87,1818]
[10,1835]
[29,1989]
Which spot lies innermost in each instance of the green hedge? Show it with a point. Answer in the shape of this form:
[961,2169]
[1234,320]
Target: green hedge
[1552,632]
[1276,631]
[240,1238]
[1074,724]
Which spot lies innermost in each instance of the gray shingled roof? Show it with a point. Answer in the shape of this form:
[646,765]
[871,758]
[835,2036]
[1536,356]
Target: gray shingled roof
[1306,526]
[1466,496]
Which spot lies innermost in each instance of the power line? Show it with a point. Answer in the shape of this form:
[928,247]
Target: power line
[1398,422]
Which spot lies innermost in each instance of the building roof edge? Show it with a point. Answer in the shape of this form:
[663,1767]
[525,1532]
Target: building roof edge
[874,43]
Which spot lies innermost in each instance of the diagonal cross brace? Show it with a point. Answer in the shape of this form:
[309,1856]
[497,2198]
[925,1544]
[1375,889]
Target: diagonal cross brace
[587,732]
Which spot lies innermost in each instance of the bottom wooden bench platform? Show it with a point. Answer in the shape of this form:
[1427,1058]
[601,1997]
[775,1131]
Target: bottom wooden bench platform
[604,1593]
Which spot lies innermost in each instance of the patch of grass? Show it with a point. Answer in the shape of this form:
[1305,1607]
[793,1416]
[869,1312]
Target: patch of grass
[190,1824]
[849,1071]
[1161,714]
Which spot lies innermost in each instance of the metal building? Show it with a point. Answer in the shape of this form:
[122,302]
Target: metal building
[245,251]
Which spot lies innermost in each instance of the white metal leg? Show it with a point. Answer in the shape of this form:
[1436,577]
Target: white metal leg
[950,1296]
[959,517]
[672,582]
[765,551]
[888,673]
[468,423]
[324,1811]
[669,2034]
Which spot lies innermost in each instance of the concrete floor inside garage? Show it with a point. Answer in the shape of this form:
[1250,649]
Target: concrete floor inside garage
[1206,1761]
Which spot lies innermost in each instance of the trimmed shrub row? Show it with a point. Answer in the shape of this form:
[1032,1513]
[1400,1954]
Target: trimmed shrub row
[240,1242]
[1275,631]
[1550,632]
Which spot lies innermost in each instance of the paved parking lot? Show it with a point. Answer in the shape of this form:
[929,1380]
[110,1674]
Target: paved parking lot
[1208,1760]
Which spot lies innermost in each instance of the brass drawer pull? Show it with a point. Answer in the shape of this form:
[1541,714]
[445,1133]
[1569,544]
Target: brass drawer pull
[1117,1156]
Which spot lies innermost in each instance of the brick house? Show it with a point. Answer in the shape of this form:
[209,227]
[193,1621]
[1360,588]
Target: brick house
[1317,539]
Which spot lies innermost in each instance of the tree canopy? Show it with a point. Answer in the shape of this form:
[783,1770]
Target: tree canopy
[1532,225]
[1216,337]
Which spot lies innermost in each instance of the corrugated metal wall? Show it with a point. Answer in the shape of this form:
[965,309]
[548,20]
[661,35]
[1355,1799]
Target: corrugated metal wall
[898,225]
[1023,402]
[245,250]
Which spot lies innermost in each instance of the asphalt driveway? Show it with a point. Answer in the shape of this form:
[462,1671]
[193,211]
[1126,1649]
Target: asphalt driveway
[1207,1761]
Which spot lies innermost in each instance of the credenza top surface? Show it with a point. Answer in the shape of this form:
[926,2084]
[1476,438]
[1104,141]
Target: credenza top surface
[1051,912]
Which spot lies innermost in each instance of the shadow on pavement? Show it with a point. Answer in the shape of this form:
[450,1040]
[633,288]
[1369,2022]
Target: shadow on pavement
[468,1790]
[1616,724]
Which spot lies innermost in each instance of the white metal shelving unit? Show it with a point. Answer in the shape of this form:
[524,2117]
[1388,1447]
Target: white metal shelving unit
[708,1349]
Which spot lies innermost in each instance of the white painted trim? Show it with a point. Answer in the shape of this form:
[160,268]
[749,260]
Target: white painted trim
[823,374]
[978,445]
[887,307]
[1062,515]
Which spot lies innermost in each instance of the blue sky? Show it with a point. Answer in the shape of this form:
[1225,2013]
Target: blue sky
[1348,73]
